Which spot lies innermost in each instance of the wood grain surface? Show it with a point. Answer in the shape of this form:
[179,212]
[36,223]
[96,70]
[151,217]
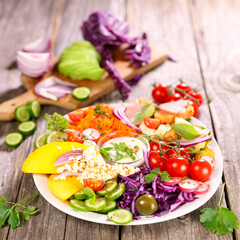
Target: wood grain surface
[203,35]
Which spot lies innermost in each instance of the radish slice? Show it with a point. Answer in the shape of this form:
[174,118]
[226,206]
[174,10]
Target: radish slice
[188,185]
[90,143]
[91,134]
[172,181]
[202,188]
[42,44]
[65,174]
[208,159]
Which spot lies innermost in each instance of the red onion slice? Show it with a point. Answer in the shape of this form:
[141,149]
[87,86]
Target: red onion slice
[42,44]
[146,158]
[65,157]
[66,174]
[195,141]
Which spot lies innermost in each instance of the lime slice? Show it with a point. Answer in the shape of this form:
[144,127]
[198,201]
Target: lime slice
[120,216]
[13,139]
[21,114]
[81,93]
[40,140]
[34,108]
[56,137]
[27,128]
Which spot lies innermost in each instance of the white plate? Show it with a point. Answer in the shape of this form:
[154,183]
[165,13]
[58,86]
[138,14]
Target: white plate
[41,181]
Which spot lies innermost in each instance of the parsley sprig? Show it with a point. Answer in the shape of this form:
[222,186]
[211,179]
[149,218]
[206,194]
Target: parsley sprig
[12,213]
[220,220]
[56,122]
[156,172]
[99,111]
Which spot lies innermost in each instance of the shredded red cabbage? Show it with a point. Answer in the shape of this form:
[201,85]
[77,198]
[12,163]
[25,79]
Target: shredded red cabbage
[167,197]
[104,30]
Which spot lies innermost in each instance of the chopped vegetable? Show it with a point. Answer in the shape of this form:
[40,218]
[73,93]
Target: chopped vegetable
[56,122]
[120,216]
[21,114]
[14,139]
[34,108]
[220,220]
[27,128]
[40,140]
[67,157]
[81,93]
[40,45]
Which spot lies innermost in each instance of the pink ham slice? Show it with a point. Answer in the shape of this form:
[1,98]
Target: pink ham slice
[174,107]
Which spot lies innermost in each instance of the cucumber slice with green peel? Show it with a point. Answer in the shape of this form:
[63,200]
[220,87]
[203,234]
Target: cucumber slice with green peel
[13,139]
[21,114]
[40,140]
[56,137]
[100,204]
[34,108]
[78,205]
[117,192]
[109,187]
[111,204]
[120,216]
[27,128]
[81,93]
[80,195]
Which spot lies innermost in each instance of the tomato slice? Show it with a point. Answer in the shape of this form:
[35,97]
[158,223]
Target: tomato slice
[152,122]
[77,115]
[75,137]
[94,184]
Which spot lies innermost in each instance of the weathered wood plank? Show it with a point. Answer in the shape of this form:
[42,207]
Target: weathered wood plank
[216,24]
[168,24]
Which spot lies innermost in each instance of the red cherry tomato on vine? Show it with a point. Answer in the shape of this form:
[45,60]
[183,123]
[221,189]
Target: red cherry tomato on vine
[184,87]
[156,147]
[94,184]
[201,170]
[197,96]
[174,97]
[195,106]
[152,123]
[155,160]
[177,166]
[173,152]
[160,93]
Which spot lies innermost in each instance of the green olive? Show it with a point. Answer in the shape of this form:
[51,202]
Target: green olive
[146,204]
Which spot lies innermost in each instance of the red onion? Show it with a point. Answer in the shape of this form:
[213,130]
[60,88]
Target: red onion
[195,141]
[66,174]
[65,157]
[34,64]
[146,158]
[42,44]
[53,88]
[119,112]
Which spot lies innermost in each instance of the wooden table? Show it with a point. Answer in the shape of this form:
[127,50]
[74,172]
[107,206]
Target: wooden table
[205,38]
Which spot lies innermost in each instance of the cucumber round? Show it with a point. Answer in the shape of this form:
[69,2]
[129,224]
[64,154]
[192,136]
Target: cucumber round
[40,140]
[80,195]
[117,192]
[78,205]
[27,128]
[120,216]
[100,204]
[34,108]
[109,187]
[13,139]
[81,93]
[21,114]
[111,204]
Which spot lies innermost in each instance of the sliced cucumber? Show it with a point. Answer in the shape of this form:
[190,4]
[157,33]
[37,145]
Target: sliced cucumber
[120,216]
[117,192]
[100,204]
[78,205]
[13,139]
[111,204]
[81,93]
[109,187]
[21,114]
[34,108]
[56,137]
[40,140]
[80,195]
[27,128]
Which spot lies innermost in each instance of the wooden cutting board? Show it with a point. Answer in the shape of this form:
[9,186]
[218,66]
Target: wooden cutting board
[98,88]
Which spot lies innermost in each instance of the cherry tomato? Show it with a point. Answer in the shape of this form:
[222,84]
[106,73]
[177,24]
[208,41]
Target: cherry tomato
[156,147]
[174,97]
[152,122]
[197,96]
[177,166]
[75,137]
[155,160]
[201,170]
[160,93]
[94,184]
[184,87]
[173,152]
[195,106]
[77,115]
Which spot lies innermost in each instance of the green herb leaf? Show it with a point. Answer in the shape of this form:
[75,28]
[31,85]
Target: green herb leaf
[4,213]
[146,111]
[156,171]
[14,219]
[5,217]
[104,153]
[108,148]
[150,177]
[165,176]
[220,220]
[30,210]
[56,122]
[185,130]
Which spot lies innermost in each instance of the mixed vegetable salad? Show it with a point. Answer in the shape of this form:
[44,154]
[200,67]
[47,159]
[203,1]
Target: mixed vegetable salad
[93,151]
